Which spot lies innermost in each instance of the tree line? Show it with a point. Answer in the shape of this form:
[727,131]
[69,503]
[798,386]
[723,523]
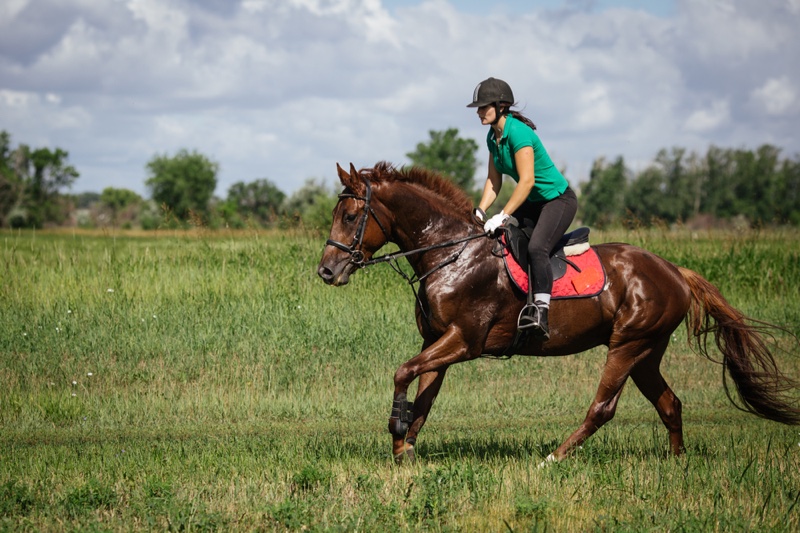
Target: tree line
[754,186]
[757,187]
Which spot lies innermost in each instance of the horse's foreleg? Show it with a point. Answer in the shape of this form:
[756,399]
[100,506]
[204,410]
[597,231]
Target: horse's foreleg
[429,385]
[430,366]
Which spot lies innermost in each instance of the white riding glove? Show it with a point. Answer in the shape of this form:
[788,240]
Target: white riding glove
[495,222]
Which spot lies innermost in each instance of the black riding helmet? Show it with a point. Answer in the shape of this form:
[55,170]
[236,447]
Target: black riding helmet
[491,91]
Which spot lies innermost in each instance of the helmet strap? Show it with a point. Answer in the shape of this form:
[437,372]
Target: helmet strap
[496,114]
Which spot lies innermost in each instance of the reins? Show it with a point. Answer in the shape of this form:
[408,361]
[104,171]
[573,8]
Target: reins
[392,259]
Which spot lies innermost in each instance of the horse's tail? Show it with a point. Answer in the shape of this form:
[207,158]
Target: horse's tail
[760,385]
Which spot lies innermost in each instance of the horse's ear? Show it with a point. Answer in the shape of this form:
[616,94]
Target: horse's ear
[350,180]
[344,177]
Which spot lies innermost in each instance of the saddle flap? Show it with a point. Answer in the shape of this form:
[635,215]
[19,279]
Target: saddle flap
[517,239]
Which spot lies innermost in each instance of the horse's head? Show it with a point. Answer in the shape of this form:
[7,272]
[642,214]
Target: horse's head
[356,233]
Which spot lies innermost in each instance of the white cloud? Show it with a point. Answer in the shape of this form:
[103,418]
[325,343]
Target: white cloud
[284,89]
[11,8]
[776,96]
[708,119]
[16,99]
[595,109]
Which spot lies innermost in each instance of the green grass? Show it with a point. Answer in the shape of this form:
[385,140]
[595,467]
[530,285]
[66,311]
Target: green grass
[231,389]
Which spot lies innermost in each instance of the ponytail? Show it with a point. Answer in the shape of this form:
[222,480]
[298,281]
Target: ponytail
[522,118]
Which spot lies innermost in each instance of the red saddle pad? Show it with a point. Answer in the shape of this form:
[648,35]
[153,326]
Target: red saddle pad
[588,281]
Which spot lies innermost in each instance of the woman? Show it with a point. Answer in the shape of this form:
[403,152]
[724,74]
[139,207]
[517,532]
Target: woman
[542,194]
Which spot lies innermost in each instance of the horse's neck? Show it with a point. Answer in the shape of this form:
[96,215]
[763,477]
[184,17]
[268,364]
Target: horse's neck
[419,222]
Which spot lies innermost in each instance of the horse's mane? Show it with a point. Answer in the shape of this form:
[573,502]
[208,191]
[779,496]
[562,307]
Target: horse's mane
[452,195]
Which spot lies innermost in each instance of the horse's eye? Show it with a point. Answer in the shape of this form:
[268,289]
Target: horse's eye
[350,217]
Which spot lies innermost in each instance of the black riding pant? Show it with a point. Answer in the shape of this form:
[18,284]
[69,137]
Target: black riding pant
[551,220]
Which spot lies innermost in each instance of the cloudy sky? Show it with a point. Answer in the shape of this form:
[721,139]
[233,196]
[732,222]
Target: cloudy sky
[284,89]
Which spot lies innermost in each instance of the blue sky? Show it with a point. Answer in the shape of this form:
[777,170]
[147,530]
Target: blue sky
[285,89]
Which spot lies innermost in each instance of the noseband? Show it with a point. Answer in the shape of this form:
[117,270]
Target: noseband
[355,248]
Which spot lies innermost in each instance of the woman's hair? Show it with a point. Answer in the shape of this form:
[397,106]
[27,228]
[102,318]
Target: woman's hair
[522,118]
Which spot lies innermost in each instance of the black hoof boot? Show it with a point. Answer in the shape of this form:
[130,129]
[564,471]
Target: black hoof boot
[533,318]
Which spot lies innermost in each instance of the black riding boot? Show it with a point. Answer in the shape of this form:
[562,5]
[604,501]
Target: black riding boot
[534,315]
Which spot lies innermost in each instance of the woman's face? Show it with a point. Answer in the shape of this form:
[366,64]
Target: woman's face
[487,114]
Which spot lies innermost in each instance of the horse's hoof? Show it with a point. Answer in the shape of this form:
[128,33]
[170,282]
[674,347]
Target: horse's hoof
[549,459]
[407,455]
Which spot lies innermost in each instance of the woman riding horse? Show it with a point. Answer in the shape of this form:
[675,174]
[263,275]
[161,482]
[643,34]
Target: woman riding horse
[542,194]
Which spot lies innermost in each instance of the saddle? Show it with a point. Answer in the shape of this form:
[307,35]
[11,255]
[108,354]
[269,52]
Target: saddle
[572,243]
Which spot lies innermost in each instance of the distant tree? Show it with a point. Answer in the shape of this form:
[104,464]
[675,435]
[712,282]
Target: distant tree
[719,195]
[787,207]
[312,204]
[85,200]
[260,200]
[10,183]
[755,182]
[117,201]
[680,184]
[31,182]
[603,197]
[184,183]
[645,197]
[449,154]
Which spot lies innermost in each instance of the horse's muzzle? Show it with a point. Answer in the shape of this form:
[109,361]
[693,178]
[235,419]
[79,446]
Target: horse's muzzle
[336,276]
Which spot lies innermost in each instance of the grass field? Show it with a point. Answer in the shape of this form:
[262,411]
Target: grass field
[209,381]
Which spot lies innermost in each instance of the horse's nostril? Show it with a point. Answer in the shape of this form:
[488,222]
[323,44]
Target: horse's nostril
[325,273]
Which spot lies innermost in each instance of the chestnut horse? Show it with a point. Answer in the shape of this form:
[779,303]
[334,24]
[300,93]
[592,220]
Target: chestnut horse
[467,307]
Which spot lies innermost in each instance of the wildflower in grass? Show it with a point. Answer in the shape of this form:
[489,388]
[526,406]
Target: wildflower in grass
[109,290]
[74,394]
[74,383]
[89,374]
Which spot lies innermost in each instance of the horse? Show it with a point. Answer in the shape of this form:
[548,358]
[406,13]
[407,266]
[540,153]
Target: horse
[467,308]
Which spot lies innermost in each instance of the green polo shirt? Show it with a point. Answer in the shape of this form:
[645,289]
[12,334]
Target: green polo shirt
[549,183]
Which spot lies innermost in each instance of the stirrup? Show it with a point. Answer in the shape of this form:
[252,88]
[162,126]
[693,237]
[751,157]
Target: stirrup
[537,322]
[529,317]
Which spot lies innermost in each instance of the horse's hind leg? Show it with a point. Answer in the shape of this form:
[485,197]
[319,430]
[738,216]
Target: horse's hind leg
[648,379]
[621,360]
[604,405]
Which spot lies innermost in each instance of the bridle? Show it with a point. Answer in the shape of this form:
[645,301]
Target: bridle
[355,248]
[357,254]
